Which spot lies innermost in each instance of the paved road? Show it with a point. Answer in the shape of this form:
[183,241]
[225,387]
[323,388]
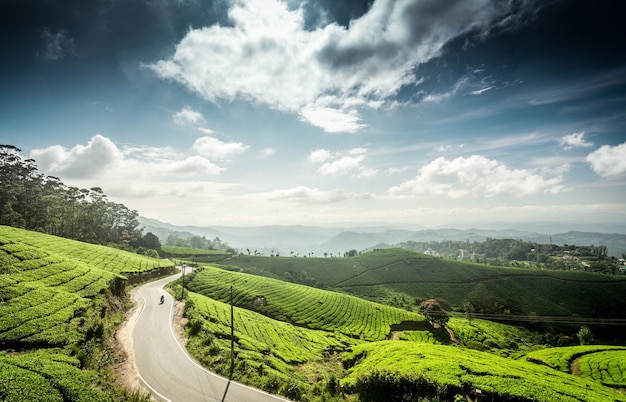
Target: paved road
[164,365]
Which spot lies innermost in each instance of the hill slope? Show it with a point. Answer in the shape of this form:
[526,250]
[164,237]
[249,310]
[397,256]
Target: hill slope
[400,277]
[59,301]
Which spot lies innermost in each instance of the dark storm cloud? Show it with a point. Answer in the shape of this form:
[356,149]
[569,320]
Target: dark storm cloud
[564,43]
[418,26]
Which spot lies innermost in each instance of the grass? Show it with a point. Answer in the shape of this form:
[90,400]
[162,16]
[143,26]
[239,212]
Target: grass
[46,376]
[59,303]
[562,358]
[440,371]
[300,305]
[195,255]
[48,282]
[478,359]
[402,277]
[607,367]
[272,355]
[488,335]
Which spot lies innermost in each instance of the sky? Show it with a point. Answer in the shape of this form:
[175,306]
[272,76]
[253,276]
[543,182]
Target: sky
[320,112]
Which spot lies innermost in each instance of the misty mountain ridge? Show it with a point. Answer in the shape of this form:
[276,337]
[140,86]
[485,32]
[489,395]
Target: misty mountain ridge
[335,240]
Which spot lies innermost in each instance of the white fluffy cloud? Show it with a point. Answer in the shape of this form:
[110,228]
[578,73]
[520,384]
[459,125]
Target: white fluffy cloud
[575,140]
[188,116]
[320,155]
[325,75]
[215,149]
[335,164]
[475,176]
[101,163]
[80,161]
[608,160]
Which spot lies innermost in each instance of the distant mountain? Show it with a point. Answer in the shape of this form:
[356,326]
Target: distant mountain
[337,240]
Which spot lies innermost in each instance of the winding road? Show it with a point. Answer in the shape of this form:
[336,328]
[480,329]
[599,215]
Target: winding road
[163,365]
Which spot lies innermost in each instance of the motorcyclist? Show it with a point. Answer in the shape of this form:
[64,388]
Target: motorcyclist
[162,299]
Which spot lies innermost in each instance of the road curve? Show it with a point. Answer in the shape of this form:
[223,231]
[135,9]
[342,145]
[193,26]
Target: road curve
[163,364]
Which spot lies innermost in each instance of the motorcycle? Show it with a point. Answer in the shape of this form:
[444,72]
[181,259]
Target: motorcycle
[162,299]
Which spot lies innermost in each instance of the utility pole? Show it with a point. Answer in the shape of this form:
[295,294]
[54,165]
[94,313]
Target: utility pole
[182,293]
[232,334]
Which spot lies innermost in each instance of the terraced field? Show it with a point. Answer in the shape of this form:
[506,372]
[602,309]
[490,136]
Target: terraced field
[447,371]
[607,367]
[603,363]
[302,306]
[53,309]
[46,376]
[392,275]
[46,282]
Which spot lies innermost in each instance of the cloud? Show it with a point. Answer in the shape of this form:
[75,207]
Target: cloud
[81,161]
[335,164]
[320,155]
[332,120]
[101,159]
[57,45]
[608,160]
[267,152]
[306,195]
[328,74]
[575,140]
[188,116]
[475,176]
[341,165]
[215,149]
[192,166]
[482,90]
[206,131]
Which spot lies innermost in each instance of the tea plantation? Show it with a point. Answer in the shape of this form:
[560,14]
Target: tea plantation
[58,302]
[313,344]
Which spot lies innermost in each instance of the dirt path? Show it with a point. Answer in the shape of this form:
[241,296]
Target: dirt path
[124,367]
[574,367]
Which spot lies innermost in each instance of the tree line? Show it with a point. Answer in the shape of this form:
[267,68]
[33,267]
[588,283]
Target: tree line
[515,252]
[33,201]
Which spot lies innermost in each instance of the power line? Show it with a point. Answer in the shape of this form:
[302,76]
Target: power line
[550,319]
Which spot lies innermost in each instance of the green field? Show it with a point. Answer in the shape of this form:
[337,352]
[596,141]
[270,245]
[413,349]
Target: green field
[562,358]
[47,376]
[194,255]
[389,370]
[59,300]
[399,277]
[302,306]
[48,283]
[478,354]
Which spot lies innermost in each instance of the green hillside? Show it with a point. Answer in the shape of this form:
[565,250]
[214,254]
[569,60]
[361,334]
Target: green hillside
[302,306]
[400,277]
[313,344]
[391,370]
[65,297]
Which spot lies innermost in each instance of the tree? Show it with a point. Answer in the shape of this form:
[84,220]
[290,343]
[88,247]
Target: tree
[434,312]
[31,201]
[584,335]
